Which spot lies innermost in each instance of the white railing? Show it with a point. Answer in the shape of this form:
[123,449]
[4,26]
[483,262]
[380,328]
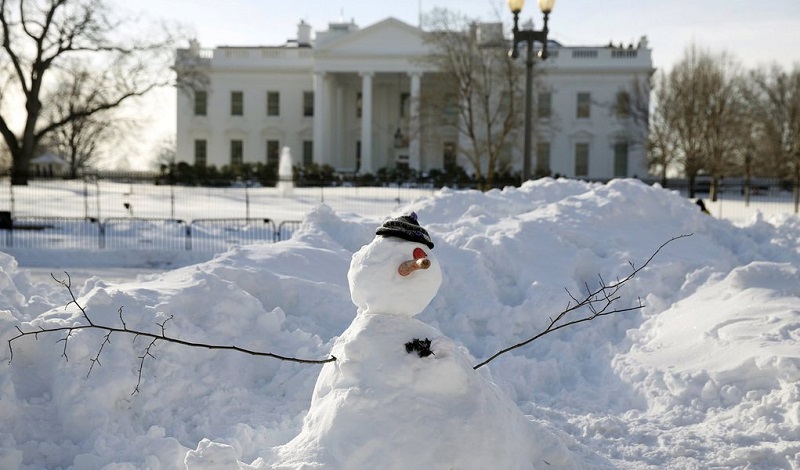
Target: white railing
[584,54]
[624,53]
[263,53]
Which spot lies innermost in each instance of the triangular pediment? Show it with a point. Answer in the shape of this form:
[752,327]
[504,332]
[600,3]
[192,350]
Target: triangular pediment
[390,36]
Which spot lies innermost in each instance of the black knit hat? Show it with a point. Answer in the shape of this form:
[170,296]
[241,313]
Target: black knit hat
[407,228]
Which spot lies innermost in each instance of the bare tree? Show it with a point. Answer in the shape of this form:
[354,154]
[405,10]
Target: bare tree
[684,108]
[5,158]
[633,109]
[166,153]
[700,107]
[80,140]
[474,90]
[191,68]
[725,137]
[38,36]
[662,148]
[774,98]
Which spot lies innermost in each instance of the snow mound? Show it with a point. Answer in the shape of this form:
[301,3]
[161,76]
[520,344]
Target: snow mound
[704,376]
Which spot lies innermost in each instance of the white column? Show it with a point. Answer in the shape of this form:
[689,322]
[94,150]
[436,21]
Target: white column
[414,127]
[366,122]
[339,126]
[328,104]
[319,118]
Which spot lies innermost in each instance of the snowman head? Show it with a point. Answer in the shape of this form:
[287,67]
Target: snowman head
[397,273]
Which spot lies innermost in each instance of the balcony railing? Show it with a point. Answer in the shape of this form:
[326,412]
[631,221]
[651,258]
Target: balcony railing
[624,53]
[584,54]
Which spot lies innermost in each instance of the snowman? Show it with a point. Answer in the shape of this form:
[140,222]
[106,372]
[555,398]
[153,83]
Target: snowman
[401,394]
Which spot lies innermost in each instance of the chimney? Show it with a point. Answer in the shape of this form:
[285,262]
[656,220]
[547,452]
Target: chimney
[303,34]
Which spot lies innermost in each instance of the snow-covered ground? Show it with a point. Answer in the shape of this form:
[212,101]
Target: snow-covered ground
[704,376]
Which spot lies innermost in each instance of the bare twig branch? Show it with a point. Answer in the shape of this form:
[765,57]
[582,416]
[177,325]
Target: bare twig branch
[154,337]
[96,359]
[598,302]
[141,364]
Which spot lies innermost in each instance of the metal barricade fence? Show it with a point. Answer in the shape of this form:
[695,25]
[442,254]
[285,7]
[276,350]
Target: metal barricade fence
[53,232]
[132,211]
[144,234]
[220,234]
[286,229]
[211,235]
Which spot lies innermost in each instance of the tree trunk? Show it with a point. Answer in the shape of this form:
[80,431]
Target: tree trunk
[19,167]
[714,189]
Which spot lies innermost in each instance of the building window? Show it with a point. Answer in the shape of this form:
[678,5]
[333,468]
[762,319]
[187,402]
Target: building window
[273,152]
[359,102]
[200,103]
[200,153]
[582,159]
[308,152]
[621,159]
[450,104]
[308,103]
[623,106]
[542,158]
[237,103]
[273,103]
[544,105]
[237,152]
[450,109]
[449,156]
[405,104]
[584,105]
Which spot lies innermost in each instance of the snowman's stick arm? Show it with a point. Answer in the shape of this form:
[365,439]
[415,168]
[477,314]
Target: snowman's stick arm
[597,302]
[147,352]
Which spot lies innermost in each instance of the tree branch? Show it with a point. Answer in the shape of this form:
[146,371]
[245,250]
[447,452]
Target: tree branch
[598,302]
[154,337]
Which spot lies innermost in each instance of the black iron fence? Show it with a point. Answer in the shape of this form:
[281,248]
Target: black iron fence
[51,232]
[211,235]
[144,196]
[139,211]
[739,199]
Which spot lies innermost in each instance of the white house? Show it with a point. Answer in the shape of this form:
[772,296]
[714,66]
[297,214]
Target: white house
[349,98]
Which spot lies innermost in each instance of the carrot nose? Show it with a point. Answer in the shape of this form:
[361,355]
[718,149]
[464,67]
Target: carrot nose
[420,261]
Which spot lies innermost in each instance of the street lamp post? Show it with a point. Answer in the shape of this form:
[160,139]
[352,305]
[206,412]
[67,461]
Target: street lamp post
[528,36]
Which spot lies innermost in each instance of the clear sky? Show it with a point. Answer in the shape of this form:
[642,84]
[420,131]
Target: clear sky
[756,33]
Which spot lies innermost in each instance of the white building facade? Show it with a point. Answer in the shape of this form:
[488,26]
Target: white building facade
[351,99]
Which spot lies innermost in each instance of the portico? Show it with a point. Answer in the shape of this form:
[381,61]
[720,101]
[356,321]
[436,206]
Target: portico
[366,102]
[367,120]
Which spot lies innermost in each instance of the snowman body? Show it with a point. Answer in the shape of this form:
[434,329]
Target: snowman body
[381,406]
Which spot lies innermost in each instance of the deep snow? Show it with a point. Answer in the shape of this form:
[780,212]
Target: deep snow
[705,375]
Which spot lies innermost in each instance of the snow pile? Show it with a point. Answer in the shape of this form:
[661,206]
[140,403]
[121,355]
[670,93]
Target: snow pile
[705,375]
